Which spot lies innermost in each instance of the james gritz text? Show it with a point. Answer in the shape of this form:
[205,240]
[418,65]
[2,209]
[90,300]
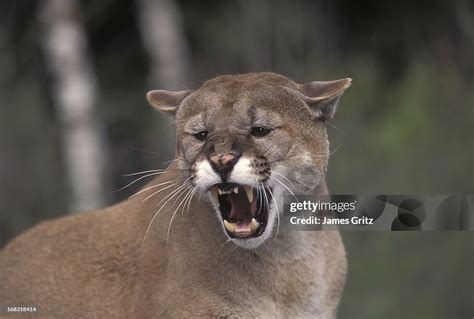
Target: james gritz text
[312,220]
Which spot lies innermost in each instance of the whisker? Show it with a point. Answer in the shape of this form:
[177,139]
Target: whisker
[276,179]
[153,186]
[176,210]
[138,179]
[168,194]
[156,170]
[190,200]
[144,150]
[186,199]
[260,198]
[304,156]
[278,213]
[158,191]
[335,150]
[334,126]
[265,196]
[160,169]
[174,160]
[279,174]
[173,193]
[144,172]
[176,199]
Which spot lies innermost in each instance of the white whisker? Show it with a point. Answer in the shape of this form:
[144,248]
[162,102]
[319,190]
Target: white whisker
[144,172]
[172,194]
[260,198]
[278,212]
[335,150]
[283,184]
[153,186]
[176,210]
[286,178]
[265,196]
[140,178]
[173,161]
[190,199]
[158,191]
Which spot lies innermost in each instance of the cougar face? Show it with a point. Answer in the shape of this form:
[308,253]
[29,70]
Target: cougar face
[243,141]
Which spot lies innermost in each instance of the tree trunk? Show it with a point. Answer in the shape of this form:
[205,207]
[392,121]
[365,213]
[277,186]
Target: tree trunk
[163,38]
[74,94]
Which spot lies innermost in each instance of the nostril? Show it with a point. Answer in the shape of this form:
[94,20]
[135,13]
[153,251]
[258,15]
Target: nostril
[223,162]
[229,160]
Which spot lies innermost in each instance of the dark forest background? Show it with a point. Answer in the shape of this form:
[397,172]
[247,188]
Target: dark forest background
[404,127]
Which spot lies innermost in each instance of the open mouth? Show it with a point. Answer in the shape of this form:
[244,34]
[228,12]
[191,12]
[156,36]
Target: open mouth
[244,210]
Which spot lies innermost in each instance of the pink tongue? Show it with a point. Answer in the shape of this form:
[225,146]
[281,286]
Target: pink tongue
[241,210]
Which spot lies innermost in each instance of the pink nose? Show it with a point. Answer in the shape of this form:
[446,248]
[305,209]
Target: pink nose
[223,164]
[223,160]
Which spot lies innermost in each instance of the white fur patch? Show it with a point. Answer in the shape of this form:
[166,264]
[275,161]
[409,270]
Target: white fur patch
[242,172]
[205,175]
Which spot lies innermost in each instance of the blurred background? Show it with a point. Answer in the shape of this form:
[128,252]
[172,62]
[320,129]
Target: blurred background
[73,117]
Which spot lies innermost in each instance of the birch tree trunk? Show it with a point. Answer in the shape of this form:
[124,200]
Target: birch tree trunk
[162,33]
[74,93]
[163,38]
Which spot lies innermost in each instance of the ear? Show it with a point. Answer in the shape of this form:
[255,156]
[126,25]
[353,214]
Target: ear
[166,101]
[322,96]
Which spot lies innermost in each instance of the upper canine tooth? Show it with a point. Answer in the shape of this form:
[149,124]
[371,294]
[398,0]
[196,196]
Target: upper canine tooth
[230,226]
[236,190]
[219,191]
[249,192]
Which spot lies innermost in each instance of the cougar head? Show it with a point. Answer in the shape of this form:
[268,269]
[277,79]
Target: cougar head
[245,140]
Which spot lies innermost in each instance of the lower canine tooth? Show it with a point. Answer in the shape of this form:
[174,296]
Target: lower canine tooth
[236,190]
[230,226]
[249,192]
[254,224]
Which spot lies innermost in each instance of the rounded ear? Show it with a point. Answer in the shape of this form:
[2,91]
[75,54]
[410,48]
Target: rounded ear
[322,96]
[166,101]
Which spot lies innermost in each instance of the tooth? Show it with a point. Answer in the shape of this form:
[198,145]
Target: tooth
[236,190]
[254,224]
[249,192]
[219,191]
[230,226]
[214,197]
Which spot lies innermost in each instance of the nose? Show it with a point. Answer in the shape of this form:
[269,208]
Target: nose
[224,163]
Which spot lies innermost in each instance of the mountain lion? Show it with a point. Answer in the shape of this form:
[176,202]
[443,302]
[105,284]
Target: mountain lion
[203,239]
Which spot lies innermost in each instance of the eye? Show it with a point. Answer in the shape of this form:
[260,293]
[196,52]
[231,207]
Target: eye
[201,135]
[259,131]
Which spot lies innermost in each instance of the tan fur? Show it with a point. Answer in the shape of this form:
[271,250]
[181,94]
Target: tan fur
[96,265]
